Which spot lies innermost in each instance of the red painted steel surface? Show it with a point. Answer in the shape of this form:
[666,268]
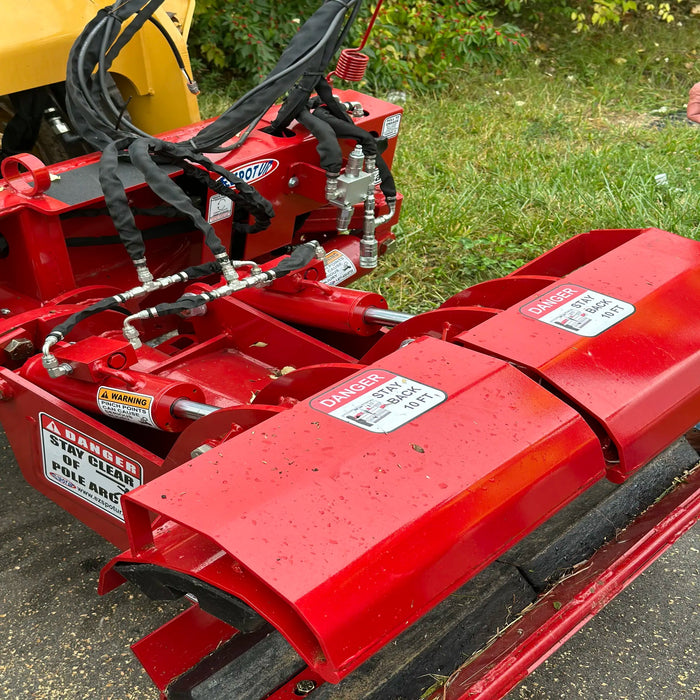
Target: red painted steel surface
[638,376]
[63,253]
[46,233]
[356,476]
[180,644]
[344,536]
[544,628]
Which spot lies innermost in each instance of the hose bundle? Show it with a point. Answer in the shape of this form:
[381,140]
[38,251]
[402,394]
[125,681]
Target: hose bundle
[99,120]
[107,127]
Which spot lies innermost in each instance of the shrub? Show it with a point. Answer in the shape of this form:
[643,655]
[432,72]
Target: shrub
[417,45]
[414,45]
[245,37]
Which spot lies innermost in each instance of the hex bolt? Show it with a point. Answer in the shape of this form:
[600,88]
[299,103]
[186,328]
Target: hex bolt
[293,182]
[5,312]
[19,349]
[304,687]
[200,450]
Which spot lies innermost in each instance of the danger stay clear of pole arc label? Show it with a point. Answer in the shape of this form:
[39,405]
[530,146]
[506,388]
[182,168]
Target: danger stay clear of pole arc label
[86,467]
[578,310]
[378,401]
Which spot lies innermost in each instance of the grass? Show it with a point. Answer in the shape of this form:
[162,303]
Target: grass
[514,159]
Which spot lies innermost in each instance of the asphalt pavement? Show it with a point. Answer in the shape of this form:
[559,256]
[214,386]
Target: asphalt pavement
[60,641]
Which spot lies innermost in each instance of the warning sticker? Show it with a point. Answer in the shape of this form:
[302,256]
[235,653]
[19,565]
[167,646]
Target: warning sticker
[220,208]
[578,310]
[391,126]
[86,467]
[338,266]
[378,401]
[125,405]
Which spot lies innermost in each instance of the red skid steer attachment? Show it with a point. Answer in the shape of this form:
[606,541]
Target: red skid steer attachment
[376,489]
[352,498]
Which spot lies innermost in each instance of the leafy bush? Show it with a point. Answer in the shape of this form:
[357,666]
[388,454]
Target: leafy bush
[414,45]
[417,45]
[587,15]
[245,37]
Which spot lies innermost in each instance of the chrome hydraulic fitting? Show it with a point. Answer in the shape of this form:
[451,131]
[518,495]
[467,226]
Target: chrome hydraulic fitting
[53,367]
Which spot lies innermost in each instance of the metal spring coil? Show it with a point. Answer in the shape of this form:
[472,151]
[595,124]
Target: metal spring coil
[352,65]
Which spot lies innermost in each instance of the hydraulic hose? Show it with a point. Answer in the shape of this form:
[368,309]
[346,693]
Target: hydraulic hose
[330,155]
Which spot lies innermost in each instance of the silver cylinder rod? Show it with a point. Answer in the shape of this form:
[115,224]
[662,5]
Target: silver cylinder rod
[192,410]
[385,317]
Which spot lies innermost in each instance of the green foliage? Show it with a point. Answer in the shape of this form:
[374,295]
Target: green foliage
[613,11]
[415,45]
[245,37]
[419,45]
[512,161]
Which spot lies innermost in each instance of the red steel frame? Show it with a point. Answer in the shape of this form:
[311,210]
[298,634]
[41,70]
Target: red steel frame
[297,600]
[532,639]
[513,417]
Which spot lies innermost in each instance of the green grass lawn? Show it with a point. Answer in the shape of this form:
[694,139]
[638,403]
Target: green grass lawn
[515,159]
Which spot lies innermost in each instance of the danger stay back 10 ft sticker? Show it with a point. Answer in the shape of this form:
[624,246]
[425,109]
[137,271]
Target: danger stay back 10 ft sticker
[578,310]
[86,467]
[378,401]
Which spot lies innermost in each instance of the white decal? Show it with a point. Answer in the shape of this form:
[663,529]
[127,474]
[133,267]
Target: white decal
[391,126]
[338,266]
[220,208]
[126,405]
[86,467]
[378,401]
[578,310]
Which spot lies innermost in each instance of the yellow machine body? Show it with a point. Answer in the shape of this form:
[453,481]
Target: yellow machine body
[36,37]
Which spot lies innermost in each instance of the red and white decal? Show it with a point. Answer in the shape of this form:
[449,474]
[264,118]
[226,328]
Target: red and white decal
[86,467]
[378,401]
[578,310]
[338,266]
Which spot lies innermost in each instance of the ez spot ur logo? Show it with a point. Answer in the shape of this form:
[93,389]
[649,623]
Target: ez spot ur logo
[257,170]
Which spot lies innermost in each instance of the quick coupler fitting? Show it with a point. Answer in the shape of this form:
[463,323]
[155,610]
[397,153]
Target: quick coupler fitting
[369,254]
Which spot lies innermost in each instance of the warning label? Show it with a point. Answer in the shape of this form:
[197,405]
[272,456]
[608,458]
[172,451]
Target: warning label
[220,208]
[578,310]
[125,405]
[391,126]
[338,266]
[86,467]
[378,401]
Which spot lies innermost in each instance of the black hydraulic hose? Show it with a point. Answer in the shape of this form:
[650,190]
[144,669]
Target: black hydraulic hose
[101,123]
[167,190]
[118,204]
[387,186]
[293,62]
[114,303]
[203,270]
[326,143]
[349,130]
[300,257]
[325,93]
[109,304]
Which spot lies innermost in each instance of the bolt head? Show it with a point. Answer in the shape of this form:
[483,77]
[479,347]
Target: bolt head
[19,349]
[304,687]
[200,450]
